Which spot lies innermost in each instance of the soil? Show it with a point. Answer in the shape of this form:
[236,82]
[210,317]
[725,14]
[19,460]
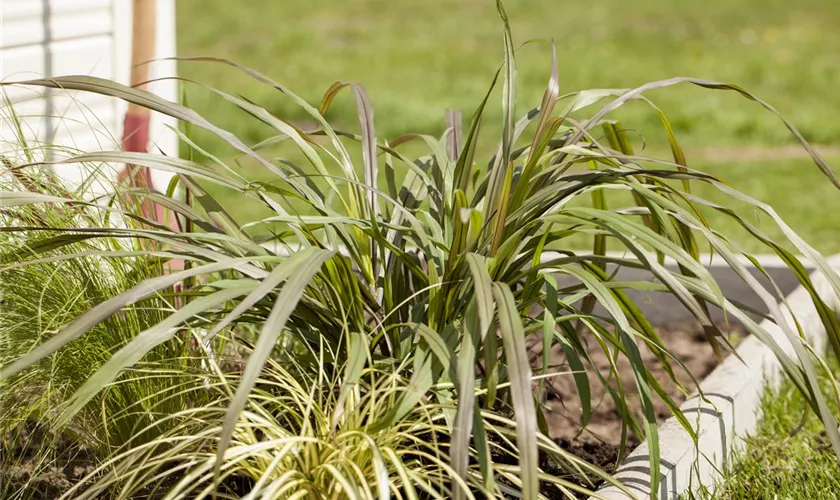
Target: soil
[599,443]
[21,463]
[685,340]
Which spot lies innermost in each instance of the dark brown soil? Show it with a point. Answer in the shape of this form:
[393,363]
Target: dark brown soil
[600,442]
[685,340]
[21,462]
[46,477]
[604,455]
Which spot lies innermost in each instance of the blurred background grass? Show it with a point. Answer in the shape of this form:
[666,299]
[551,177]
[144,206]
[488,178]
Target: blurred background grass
[418,58]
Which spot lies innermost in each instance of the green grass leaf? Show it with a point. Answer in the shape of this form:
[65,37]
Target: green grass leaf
[142,344]
[104,310]
[519,371]
[275,323]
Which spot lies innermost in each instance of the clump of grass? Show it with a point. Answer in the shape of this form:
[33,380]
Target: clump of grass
[55,286]
[295,434]
[434,269]
[790,457]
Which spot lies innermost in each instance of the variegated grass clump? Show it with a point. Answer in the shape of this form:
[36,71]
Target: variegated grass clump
[297,438]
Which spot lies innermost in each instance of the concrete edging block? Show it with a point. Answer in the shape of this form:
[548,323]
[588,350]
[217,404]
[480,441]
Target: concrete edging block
[730,410]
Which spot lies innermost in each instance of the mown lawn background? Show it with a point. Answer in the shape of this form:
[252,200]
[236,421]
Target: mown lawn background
[418,58]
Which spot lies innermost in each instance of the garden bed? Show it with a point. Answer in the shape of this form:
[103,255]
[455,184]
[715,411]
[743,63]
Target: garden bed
[21,462]
[685,340]
[598,444]
[732,405]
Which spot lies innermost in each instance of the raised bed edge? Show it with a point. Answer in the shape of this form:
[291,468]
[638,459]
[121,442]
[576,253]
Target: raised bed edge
[730,410]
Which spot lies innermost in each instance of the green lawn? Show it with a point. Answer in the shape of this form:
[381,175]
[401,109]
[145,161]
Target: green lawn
[419,58]
[793,187]
[781,464]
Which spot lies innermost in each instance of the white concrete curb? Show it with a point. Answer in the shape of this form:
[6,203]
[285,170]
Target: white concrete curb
[730,410]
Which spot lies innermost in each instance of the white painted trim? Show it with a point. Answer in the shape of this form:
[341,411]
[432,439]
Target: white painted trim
[122,46]
[160,134]
[731,410]
[91,49]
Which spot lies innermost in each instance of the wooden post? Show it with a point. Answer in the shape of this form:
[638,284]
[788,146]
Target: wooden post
[143,46]
[137,118]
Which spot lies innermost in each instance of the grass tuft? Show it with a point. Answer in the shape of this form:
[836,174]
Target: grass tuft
[789,458]
[366,333]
